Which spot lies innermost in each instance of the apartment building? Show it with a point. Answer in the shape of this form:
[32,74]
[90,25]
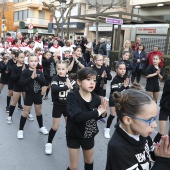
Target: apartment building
[32,12]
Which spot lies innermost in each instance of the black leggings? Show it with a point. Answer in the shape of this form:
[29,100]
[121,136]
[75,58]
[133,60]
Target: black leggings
[136,74]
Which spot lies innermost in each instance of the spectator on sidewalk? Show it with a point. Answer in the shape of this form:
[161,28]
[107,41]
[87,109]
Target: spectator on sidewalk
[138,63]
[102,47]
[138,41]
[151,54]
[108,48]
[127,48]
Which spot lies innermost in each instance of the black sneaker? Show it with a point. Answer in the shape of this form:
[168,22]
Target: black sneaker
[45,98]
[7,109]
[20,107]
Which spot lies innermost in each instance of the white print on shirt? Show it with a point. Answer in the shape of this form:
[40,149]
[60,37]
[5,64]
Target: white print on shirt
[37,86]
[117,85]
[143,157]
[52,69]
[91,127]
[102,83]
[62,94]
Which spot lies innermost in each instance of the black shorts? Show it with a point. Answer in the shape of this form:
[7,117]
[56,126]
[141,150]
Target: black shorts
[31,98]
[164,114]
[4,79]
[111,102]
[75,143]
[47,80]
[59,110]
[152,87]
[18,88]
[10,84]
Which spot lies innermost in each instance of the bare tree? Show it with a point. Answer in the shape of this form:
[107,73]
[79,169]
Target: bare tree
[102,6]
[3,7]
[58,8]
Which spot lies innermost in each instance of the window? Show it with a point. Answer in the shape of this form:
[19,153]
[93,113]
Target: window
[31,13]
[20,15]
[16,16]
[41,15]
[24,14]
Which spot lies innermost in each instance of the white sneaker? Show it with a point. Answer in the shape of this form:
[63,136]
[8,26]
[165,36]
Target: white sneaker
[20,134]
[9,120]
[30,117]
[107,133]
[48,148]
[43,130]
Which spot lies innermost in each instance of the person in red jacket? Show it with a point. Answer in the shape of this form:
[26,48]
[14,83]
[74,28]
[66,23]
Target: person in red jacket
[153,53]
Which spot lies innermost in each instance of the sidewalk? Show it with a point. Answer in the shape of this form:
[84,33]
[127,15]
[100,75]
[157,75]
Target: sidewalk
[142,81]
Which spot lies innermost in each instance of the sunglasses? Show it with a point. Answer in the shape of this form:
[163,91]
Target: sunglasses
[149,122]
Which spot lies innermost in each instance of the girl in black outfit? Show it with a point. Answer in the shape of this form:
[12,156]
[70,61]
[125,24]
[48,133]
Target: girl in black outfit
[119,83]
[76,61]
[60,86]
[103,74]
[84,108]
[153,74]
[16,72]
[164,112]
[33,80]
[49,70]
[130,146]
[10,65]
[4,71]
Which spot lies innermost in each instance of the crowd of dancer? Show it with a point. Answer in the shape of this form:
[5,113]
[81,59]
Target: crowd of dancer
[78,92]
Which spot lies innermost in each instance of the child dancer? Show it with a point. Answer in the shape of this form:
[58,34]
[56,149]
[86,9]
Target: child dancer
[164,112]
[4,71]
[60,86]
[33,80]
[15,75]
[130,147]
[84,108]
[49,70]
[102,75]
[76,62]
[153,74]
[119,83]
[125,59]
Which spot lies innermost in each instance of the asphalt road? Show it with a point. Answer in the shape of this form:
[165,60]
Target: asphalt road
[28,153]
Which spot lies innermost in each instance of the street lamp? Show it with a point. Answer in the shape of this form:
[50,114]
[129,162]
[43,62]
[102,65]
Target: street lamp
[63,5]
[3,26]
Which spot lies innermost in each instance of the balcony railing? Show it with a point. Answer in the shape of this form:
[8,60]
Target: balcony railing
[38,22]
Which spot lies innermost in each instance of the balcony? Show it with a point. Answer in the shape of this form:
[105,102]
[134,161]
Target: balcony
[37,4]
[149,3]
[36,22]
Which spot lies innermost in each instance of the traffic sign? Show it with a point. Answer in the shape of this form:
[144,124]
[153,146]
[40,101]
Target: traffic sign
[30,26]
[114,21]
[2,27]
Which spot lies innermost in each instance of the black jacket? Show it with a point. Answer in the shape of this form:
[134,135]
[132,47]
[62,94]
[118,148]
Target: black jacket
[102,49]
[82,115]
[124,152]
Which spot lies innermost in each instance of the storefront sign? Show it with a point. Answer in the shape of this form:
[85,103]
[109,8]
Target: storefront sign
[151,30]
[76,25]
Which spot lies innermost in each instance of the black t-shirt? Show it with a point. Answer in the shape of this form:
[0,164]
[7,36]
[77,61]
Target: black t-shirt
[81,121]
[165,99]
[32,85]
[75,66]
[124,152]
[150,70]
[117,84]
[59,90]
[101,81]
